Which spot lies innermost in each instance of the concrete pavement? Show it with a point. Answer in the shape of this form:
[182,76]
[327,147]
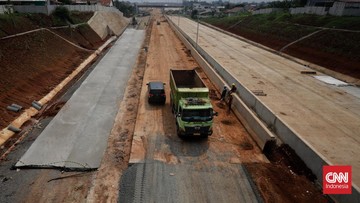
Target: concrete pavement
[77,137]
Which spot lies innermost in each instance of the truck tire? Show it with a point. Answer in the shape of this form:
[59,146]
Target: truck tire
[172,105]
[178,132]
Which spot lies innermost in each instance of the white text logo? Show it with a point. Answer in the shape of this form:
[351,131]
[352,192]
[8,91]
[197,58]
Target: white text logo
[333,177]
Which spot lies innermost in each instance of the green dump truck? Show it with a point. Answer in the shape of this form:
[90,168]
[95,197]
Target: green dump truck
[189,100]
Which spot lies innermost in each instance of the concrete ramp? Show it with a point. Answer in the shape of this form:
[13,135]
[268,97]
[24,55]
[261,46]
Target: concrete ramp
[77,137]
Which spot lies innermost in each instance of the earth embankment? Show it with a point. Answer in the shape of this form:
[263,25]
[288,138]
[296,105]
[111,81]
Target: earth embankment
[34,63]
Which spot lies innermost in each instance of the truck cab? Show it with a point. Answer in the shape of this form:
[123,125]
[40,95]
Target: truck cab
[195,117]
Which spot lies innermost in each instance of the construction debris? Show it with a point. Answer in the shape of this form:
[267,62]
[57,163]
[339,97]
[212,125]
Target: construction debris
[14,129]
[36,105]
[14,107]
[308,72]
[259,92]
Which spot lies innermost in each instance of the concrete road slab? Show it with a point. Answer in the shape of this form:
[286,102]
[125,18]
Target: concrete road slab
[77,137]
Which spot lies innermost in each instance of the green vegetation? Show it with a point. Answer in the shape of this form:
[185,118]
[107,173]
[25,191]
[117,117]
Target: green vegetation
[21,22]
[61,14]
[126,8]
[78,17]
[227,21]
[194,14]
[10,18]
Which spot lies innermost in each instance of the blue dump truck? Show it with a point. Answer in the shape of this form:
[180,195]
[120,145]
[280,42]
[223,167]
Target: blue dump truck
[190,102]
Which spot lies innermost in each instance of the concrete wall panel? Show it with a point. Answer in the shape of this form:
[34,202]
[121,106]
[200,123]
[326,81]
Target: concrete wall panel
[268,116]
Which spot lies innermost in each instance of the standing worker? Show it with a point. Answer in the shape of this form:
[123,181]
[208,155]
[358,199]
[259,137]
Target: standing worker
[223,93]
[230,102]
[233,88]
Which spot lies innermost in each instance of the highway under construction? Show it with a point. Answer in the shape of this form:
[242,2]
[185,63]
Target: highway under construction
[108,144]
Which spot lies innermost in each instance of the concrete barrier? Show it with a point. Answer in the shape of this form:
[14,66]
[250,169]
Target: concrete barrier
[5,9]
[309,10]
[266,11]
[259,119]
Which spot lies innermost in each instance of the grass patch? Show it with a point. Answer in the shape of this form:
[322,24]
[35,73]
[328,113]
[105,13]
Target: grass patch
[78,17]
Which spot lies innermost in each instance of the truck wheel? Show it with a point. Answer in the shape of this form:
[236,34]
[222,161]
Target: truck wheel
[172,105]
[178,132]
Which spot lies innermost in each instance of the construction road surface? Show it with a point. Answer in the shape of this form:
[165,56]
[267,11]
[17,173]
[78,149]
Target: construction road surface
[165,168]
[325,116]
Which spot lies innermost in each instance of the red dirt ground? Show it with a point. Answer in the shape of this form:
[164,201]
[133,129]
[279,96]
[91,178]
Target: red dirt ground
[273,179]
[33,64]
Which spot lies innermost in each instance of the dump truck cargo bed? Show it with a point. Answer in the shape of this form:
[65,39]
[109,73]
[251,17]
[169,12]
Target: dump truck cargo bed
[187,79]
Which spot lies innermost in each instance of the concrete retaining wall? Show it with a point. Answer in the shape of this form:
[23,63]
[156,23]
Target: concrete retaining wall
[345,9]
[337,9]
[106,23]
[266,11]
[6,9]
[309,10]
[258,118]
[34,9]
[3,9]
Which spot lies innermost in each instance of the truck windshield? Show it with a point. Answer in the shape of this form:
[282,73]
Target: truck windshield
[194,115]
